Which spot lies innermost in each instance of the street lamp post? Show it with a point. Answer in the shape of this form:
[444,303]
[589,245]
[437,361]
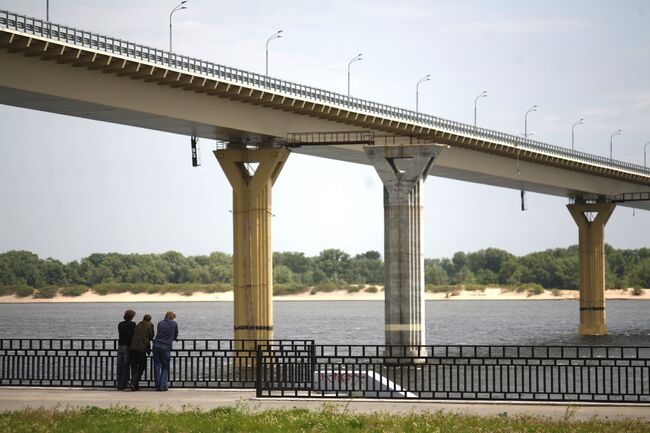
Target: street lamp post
[611,139]
[417,91]
[531,109]
[47,10]
[645,149]
[275,35]
[178,7]
[357,58]
[523,192]
[573,129]
[482,95]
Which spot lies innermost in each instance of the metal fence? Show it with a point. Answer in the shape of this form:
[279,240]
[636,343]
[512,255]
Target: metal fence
[300,368]
[93,363]
[137,52]
[526,373]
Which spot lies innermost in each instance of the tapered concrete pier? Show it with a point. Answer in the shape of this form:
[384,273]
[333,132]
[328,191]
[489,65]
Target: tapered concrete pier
[402,170]
[252,253]
[591,219]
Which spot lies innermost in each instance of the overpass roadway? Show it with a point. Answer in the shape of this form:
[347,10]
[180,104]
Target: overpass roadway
[102,78]
[53,68]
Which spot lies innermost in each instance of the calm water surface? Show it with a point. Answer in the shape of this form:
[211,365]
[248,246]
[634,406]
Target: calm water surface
[348,322]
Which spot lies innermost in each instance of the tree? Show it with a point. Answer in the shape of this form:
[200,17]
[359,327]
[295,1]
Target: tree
[334,263]
[296,262]
[282,275]
[511,272]
[434,273]
[489,258]
[55,272]
[486,276]
[366,268]
[641,274]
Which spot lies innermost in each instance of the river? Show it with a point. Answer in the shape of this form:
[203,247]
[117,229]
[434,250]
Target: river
[345,322]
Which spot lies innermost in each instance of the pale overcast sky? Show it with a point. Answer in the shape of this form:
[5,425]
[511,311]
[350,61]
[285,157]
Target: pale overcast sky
[70,187]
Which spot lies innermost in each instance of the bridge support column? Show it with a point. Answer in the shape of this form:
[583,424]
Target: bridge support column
[252,253]
[591,220]
[402,170]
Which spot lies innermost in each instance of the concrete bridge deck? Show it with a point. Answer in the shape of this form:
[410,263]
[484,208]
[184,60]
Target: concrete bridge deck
[102,78]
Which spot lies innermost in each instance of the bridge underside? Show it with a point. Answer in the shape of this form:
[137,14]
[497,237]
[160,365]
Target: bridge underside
[452,163]
[492,170]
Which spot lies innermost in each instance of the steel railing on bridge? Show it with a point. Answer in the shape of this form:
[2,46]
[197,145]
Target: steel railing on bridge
[81,38]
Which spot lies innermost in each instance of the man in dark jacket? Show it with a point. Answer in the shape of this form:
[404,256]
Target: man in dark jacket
[140,347]
[125,331]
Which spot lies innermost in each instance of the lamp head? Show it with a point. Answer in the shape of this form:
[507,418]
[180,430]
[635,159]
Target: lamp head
[356,58]
[425,78]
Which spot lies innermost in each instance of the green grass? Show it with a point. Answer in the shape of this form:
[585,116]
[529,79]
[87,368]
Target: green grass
[94,420]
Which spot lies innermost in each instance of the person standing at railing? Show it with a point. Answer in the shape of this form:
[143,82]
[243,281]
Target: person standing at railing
[166,334]
[140,348]
[125,330]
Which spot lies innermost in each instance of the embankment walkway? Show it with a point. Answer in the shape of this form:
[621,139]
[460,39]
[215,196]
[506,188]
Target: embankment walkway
[13,398]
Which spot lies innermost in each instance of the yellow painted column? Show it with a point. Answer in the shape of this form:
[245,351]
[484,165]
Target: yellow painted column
[251,173]
[591,220]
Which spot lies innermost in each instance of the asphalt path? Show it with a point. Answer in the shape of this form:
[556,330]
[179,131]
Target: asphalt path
[15,398]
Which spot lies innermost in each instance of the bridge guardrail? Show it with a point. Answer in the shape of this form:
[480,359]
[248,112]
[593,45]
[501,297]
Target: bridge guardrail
[73,36]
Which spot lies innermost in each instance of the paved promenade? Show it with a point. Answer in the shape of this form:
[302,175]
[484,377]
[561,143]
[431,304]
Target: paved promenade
[177,399]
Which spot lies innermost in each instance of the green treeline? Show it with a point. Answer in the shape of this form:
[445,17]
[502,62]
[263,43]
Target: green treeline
[22,272]
[552,269]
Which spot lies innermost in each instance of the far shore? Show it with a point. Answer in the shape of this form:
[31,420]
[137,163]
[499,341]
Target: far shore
[489,294]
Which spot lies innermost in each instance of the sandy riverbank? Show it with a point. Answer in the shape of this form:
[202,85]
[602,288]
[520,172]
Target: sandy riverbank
[491,294]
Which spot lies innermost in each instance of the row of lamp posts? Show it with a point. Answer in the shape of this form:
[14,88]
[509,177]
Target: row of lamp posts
[359,57]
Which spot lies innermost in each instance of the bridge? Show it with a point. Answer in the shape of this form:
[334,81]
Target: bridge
[259,120]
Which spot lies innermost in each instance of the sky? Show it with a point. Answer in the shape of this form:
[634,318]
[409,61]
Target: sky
[70,187]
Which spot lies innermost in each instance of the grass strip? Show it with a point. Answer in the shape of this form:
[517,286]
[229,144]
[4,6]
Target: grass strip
[115,420]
